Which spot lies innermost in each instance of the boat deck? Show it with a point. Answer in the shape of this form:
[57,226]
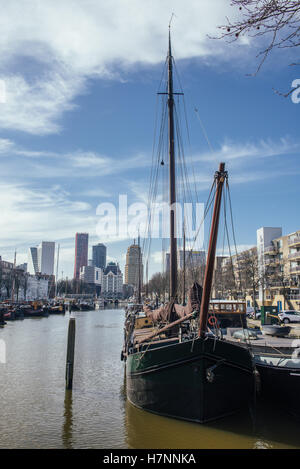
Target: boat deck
[268,344]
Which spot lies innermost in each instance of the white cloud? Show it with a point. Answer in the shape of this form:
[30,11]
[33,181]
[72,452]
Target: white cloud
[235,150]
[157,257]
[32,215]
[68,42]
[36,106]
[5,145]
[233,249]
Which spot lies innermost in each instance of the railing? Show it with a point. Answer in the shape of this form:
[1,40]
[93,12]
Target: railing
[278,285]
[270,249]
[271,262]
[236,307]
[294,255]
[294,297]
[294,240]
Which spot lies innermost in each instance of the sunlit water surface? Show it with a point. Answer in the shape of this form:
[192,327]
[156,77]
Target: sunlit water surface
[37,412]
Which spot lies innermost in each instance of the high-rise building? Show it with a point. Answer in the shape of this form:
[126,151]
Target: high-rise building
[81,252]
[134,265]
[99,256]
[33,267]
[264,237]
[45,255]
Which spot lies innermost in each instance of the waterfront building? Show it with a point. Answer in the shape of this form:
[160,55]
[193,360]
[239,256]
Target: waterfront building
[45,254]
[193,259]
[99,255]
[92,275]
[33,266]
[282,261]
[23,267]
[264,237]
[37,288]
[112,281]
[134,265]
[81,252]
[5,266]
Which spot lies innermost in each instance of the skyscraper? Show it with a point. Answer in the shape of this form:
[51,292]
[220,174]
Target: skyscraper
[133,261]
[99,256]
[81,252]
[33,261]
[45,255]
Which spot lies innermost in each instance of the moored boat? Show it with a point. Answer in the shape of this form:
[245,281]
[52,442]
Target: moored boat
[276,331]
[280,380]
[56,309]
[174,366]
[33,311]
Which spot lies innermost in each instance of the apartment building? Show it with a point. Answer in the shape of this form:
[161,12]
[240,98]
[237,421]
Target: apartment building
[268,273]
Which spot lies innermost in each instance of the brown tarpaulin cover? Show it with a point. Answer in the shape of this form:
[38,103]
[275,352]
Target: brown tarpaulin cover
[172,311]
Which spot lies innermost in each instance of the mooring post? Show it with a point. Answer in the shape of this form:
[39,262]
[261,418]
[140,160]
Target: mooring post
[70,353]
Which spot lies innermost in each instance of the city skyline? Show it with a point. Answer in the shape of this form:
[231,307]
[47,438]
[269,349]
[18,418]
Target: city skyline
[59,165]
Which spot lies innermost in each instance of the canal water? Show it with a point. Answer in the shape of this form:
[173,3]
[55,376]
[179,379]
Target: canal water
[37,412]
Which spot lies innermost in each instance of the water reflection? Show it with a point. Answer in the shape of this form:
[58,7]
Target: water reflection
[269,430]
[37,412]
[68,420]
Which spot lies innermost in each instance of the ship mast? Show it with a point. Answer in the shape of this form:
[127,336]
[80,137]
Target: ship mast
[139,273]
[173,242]
[220,177]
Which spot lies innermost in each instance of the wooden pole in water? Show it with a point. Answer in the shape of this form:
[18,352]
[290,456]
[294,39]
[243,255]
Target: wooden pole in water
[70,354]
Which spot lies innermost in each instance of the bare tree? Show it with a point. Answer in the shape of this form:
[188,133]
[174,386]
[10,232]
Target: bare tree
[277,20]
[227,282]
[250,272]
[24,284]
[7,283]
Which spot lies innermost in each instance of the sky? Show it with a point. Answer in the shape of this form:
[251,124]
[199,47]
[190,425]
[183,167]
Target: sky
[78,97]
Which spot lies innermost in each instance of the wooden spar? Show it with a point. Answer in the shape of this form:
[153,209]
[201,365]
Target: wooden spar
[139,274]
[163,329]
[146,292]
[209,269]
[183,286]
[173,243]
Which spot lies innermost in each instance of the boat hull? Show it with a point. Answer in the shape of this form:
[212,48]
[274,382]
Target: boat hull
[200,380]
[35,313]
[281,386]
[276,331]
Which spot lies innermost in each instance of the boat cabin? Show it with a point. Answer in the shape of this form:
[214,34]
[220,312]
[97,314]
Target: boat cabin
[227,313]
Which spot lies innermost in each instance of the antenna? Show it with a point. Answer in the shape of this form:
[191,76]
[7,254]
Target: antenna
[173,14]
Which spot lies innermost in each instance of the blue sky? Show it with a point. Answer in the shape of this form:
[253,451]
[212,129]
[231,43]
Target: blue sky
[76,129]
